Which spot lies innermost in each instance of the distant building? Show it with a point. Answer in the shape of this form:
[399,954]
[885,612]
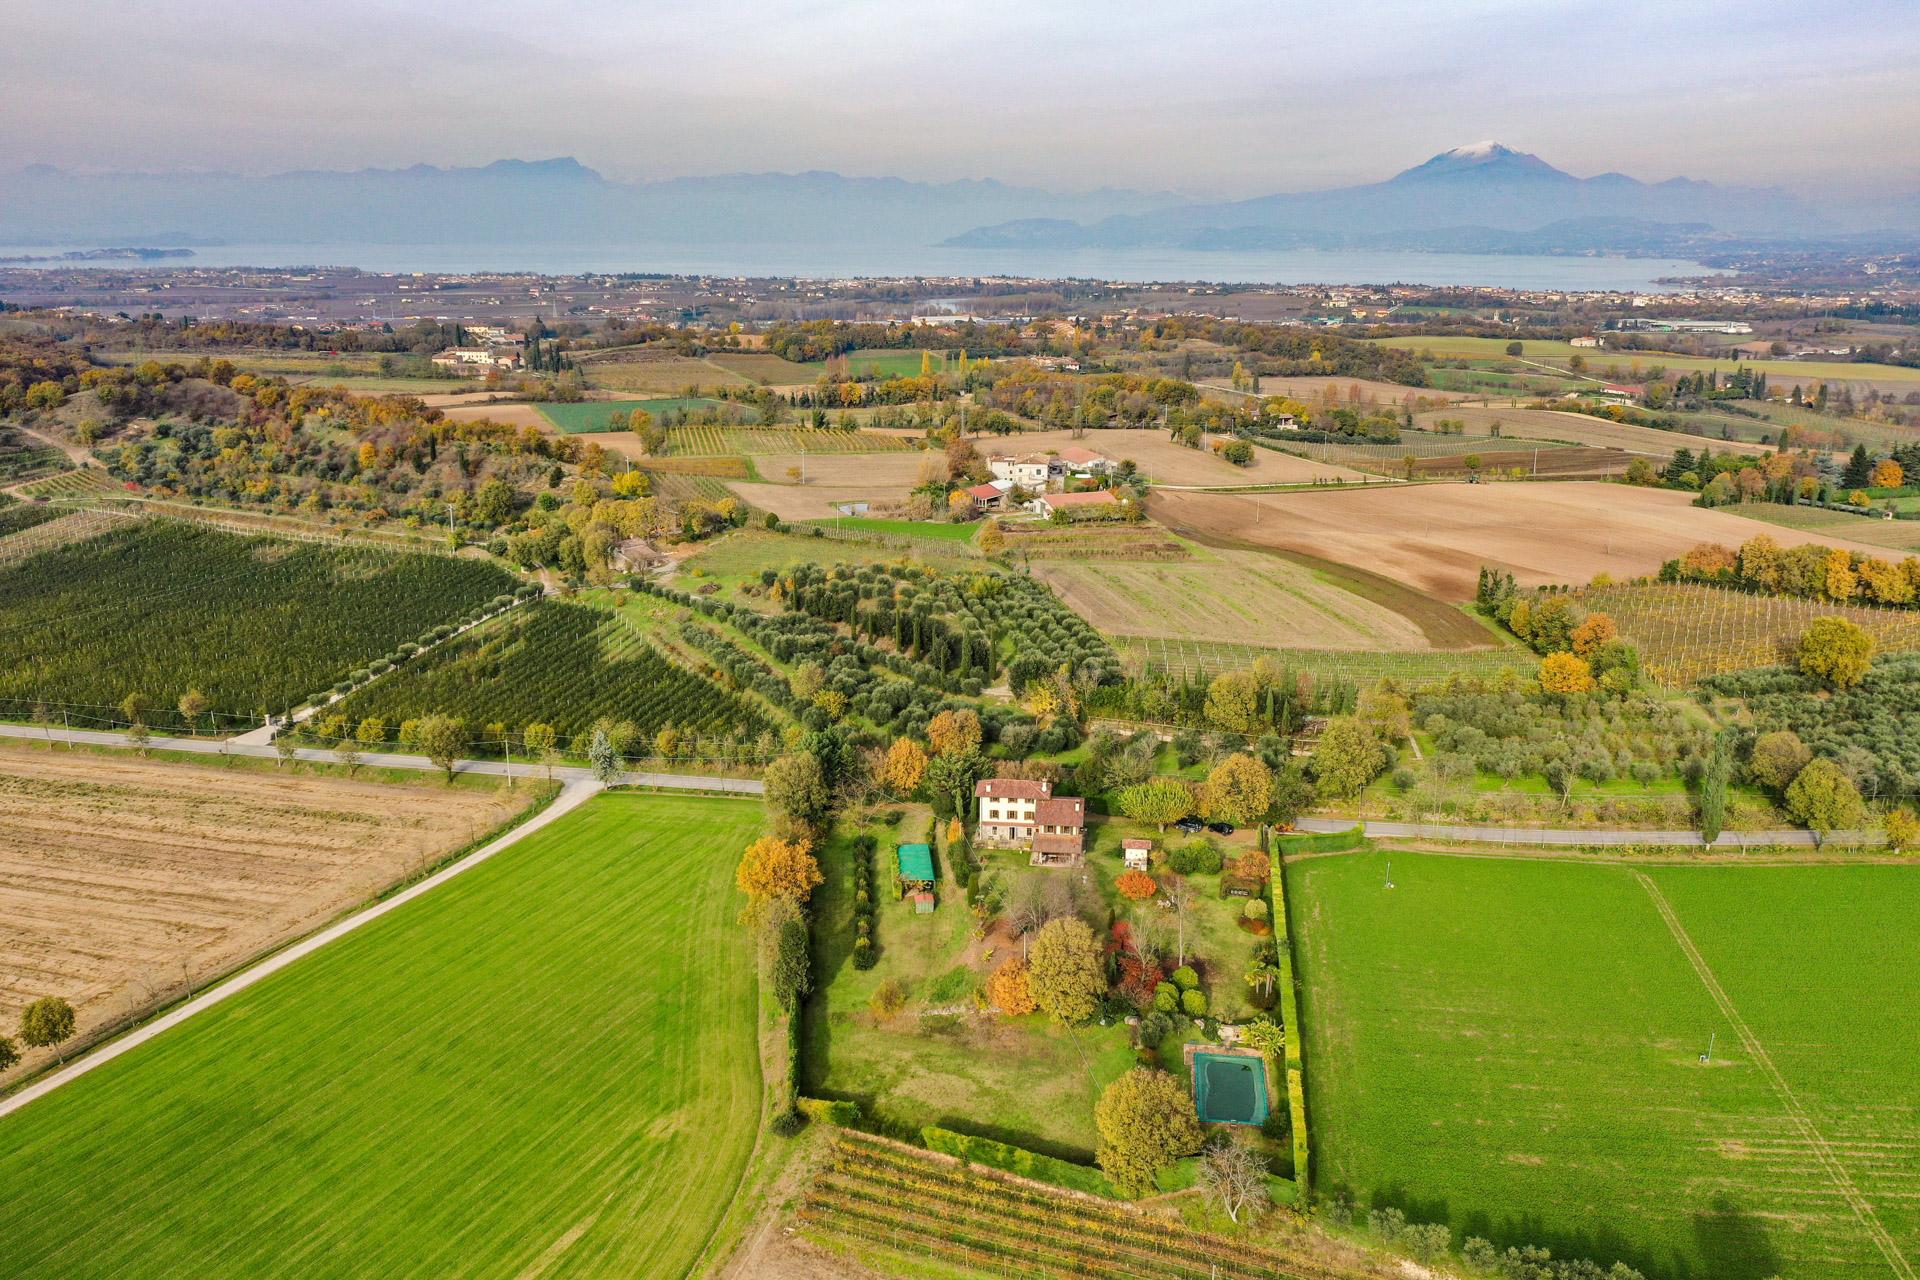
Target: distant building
[1032,471]
[1085,461]
[478,359]
[1092,500]
[1585,340]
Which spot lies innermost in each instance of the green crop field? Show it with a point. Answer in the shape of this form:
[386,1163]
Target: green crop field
[1551,352]
[591,416]
[1211,657]
[161,606]
[545,1067]
[559,664]
[1515,1046]
[901,528]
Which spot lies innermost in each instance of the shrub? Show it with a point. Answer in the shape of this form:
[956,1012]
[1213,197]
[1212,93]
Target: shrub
[788,1123]
[1185,978]
[1165,1001]
[1255,909]
[833,1111]
[1019,1161]
[1196,857]
[864,956]
[1193,1003]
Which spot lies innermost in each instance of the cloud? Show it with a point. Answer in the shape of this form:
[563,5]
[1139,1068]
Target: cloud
[1224,97]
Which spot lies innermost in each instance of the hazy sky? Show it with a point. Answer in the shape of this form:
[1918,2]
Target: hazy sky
[1212,97]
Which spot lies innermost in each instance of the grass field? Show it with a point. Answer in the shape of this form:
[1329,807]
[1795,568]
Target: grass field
[1211,657]
[1687,631]
[657,373]
[928,529]
[206,868]
[546,1067]
[1548,352]
[710,440]
[1259,598]
[1551,1065]
[1896,535]
[590,416]
[745,553]
[771,370]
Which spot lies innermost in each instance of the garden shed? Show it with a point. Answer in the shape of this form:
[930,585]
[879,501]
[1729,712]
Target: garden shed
[915,862]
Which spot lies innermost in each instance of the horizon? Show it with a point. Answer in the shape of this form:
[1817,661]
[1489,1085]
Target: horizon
[1243,102]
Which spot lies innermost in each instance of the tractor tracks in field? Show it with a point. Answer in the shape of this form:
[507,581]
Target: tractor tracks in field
[1822,1150]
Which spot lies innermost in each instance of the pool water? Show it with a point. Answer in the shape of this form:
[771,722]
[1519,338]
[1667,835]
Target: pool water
[1229,1088]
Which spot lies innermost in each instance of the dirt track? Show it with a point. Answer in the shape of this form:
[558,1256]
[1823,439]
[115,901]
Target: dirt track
[121,879]
[1435,537]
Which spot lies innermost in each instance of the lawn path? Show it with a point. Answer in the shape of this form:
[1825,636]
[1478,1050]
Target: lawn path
[1815,1139]
[571,797]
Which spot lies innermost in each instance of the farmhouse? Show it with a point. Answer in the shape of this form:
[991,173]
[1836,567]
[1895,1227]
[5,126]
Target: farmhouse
[1030,471]
[477,358]
[1023,813]
[1085,462]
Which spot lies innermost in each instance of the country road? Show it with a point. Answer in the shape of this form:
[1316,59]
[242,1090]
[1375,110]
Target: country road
[319,755]
[1580,836]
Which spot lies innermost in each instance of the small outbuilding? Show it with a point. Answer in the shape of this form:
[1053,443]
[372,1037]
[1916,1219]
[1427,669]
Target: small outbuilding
[915,863]
[1135,852]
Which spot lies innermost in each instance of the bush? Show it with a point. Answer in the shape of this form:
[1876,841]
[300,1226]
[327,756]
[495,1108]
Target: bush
[788,1123]
[1165,1002]
[1255,909]
[864,956]
[1154,1028]
[836,1111]
[1019,1161]
[1196,857]
[1193,1003]
[1185,978]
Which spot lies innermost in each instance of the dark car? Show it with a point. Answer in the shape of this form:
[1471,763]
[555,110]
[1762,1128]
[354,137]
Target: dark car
[1191,826]
[1220,828]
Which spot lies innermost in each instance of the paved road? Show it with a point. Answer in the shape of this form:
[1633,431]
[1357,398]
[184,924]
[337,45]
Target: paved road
[1576,836]
[575,793]
[318,755]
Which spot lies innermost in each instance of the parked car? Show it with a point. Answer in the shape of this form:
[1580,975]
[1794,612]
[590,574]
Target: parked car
[1190,826]
[1220,828]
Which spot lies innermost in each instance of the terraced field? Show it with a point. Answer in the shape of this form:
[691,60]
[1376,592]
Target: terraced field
[690,441]
[1556,1066]
[546,1067]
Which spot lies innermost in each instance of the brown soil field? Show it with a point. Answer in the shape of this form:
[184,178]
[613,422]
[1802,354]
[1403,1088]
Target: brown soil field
[518,415]
[1435,537]
[460,399]
[1578,428]
[888,474]
[1039,540]
[123,879]
[811,501]
[1170,463]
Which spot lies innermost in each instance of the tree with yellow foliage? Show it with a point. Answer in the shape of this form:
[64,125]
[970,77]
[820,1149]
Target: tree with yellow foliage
[1841,581]
[776,868]
[905,765]
[954,733]
[1565,673]
[1836,650]
[1888,474]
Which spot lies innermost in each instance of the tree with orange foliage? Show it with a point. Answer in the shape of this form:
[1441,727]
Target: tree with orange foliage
[1008,989]
[905,765]
[1888,474]
[776,868]
[1137,885]
[1709,559]
[1595,631]
[1565,673]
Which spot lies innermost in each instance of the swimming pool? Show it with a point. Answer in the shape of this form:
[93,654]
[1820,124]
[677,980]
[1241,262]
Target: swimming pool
[1229,1088]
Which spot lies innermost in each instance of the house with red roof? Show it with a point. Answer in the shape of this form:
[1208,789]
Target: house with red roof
[1023,813]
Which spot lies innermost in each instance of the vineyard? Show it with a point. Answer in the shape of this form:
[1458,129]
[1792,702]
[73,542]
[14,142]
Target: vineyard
[22,459]
[877,1194]
[159,607]
[706,441]
[23,541]
[70,486]
[15,516]
[560,664]
[1688,631]
[1212,657]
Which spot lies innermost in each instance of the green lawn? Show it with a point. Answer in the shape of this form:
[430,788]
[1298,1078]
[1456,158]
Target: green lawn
[940,532]
[1514,1047]
[547,1066]
[590,416]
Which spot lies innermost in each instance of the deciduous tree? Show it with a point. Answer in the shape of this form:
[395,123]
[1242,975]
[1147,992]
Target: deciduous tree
[1565,673]
[1146,1121]
[1837,651]
[1777,759]
[1064,970]
[193,704]
[1009,990]
[441,738]
[776,868]
[1159,801]
[1823,799]
[1594,630]
[905,766]
[1238,790]
[1137,885]
[1347,757]
[954,733]
[1233,1177]
[540,742]
[797,790]
[47,1023]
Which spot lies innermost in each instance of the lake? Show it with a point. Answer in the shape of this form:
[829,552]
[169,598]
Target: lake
[1283,267]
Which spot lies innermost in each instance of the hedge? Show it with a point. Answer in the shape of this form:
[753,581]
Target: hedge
[1354,837]
[1020,1161]
[1290,1018]
[835,1111]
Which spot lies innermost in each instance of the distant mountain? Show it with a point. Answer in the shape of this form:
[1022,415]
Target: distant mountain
[516,201]
[1485,191]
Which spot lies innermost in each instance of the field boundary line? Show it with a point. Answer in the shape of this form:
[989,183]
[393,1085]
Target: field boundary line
[1842,1180]
[571,797]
